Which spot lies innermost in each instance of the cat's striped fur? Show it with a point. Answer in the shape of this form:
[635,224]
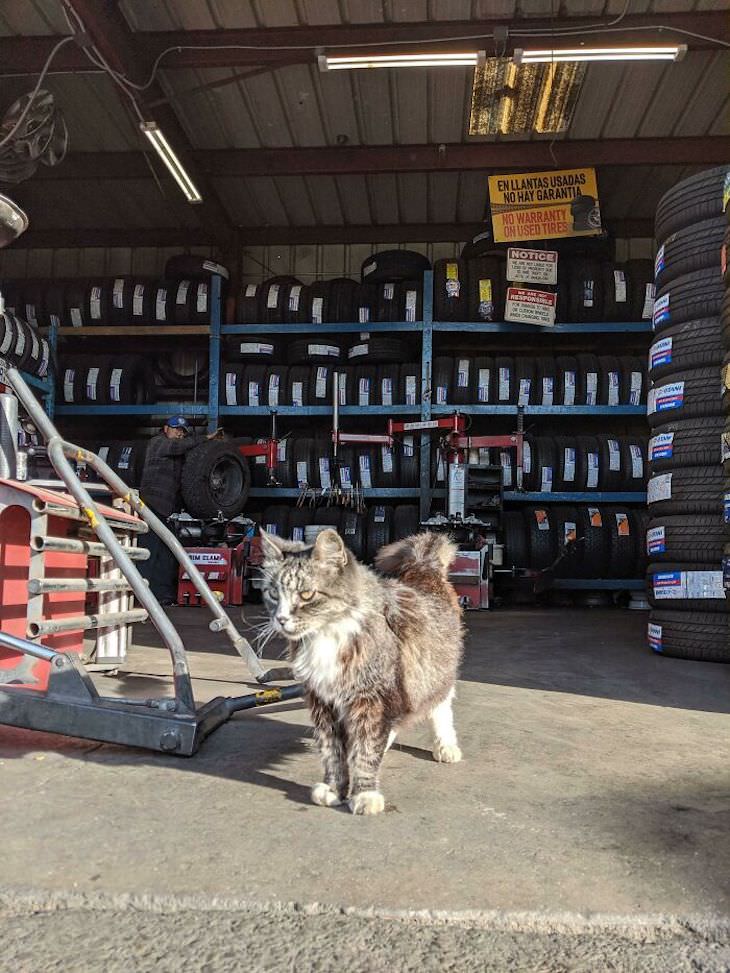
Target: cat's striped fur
[373,652]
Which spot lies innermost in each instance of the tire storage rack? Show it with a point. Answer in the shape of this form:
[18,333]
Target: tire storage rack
[575,484]
[689,450]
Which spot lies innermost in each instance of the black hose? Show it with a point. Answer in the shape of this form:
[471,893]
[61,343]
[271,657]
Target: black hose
[276,694]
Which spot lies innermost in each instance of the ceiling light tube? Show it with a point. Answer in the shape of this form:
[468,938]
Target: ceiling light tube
[674,53]
[163,148]
[433,60]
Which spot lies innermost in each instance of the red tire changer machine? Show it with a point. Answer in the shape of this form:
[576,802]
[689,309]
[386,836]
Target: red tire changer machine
[463,517]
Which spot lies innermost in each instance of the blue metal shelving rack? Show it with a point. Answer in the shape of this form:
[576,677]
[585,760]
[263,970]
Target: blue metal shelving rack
[425,329]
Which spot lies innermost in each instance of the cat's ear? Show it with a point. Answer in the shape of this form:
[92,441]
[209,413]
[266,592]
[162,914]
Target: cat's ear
[329,550]
[271,545]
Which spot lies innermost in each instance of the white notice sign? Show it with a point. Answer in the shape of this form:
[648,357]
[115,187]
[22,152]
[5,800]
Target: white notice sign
[532,266]
[531,307]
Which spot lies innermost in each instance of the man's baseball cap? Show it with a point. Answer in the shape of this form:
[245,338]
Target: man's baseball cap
[177,422]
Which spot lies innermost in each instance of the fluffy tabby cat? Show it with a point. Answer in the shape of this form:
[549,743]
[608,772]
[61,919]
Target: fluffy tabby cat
[374,653]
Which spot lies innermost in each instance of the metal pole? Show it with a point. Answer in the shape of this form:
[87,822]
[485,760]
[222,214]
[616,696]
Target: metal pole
[27,648]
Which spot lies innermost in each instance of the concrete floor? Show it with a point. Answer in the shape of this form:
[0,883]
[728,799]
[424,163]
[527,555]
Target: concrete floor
[596,779]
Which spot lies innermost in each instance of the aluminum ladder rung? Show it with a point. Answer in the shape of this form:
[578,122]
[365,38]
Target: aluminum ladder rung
[44,586]
[71,545]
[75,514]
[82,623]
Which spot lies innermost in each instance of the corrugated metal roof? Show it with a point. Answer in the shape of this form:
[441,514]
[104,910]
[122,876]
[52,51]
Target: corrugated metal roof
[299,106]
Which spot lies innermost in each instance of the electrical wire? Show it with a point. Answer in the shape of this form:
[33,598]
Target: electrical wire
[44,70]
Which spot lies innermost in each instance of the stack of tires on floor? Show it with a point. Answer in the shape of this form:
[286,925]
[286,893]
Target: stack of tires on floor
[687,411]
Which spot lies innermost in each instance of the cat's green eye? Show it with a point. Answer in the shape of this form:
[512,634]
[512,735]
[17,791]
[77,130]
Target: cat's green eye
[307,595]
[273,594]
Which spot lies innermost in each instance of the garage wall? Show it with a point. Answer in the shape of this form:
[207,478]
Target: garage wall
[307,262]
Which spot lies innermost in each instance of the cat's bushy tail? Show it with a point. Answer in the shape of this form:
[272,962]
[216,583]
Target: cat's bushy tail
[427,551]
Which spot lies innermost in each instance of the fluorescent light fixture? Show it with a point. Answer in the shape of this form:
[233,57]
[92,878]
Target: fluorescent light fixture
[163,148]
[675,53]
[468,59]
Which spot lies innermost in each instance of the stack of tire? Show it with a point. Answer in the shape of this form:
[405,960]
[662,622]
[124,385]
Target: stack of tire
[591,541]
[364,533]
[105,380]
[687,414]
[22,346]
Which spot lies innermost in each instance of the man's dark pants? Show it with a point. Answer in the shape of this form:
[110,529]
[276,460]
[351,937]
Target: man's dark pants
[161,569]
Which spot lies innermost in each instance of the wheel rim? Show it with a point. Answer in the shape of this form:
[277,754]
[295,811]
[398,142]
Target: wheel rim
[226,480]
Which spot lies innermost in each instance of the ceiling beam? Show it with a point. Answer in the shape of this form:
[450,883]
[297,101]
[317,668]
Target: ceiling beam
[25,55]
[117,43]
[454,157]
[275,236]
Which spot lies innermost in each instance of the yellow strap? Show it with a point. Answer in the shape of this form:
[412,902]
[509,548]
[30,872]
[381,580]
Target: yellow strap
[268,696]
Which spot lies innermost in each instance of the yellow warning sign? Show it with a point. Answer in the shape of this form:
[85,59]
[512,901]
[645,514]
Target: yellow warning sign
[544,205]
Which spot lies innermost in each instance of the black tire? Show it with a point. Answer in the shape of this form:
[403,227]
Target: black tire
[634,466]
[54,303]
[693,200]
[410,301]
[260,476]
[541,537]
[367,467]
[693,344]
[585,294]
[688,442]
[441,381]
[273,297]
[253,385]
[163,311]
[480,245]
[74,305]
[701,637]
[687,490]
[524,390]
[387,304]
[276,391]
[690,249]
[609,390]
[132,301]
[314,352]
[130,381]
[72,379]
[696,393]
[539,464]
[697,539]
[342,300]
[378,350]
[568,384]
[622,541]
[303,463]
[408,461]
[95,386]
[639,524]
[450,290]
[546,381]
[388,385]
[320,384]
[184,368]
[191,301]
[641,275]
[367,303]
[365,379]
[348,474]
[329,517]
[32,303]
[378,530]
[297,303]
[127,460]
[486,288]
[298,385]
[708,594]
[325,471]
[587,463]
[484,381]
[275,520]
[566,464]
[193,265]
[566,534]
[611,471]
[588,380]
[387,466]
[352,530]
[593,542]
[505,385]
[215,479]
[299,518]
[406,521]
[617,292]
[394,265]
[689,298]
[245,348]
[231,387]
[247,305]
[633,380]
[514,530]
[463,381]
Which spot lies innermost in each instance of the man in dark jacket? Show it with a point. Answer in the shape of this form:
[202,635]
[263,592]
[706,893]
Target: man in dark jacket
[160,490]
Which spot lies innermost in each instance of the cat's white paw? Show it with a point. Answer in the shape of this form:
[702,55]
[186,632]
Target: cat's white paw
[367,802]
[446,753]
[323,795]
